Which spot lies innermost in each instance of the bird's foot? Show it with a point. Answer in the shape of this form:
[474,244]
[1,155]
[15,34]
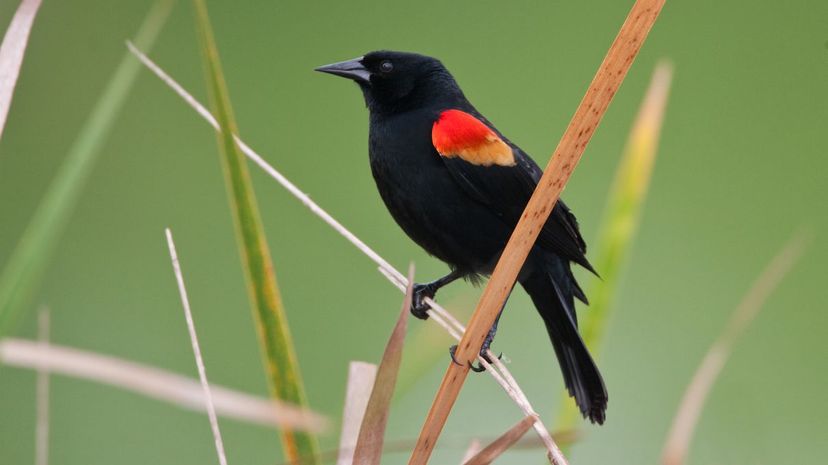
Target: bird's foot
[419,308]
[484,353]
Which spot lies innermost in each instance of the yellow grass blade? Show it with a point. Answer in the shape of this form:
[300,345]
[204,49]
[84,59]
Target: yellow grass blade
[277,345]
[621,218]
[626,199]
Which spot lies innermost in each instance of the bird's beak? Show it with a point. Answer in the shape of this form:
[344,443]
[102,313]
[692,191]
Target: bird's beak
[351,69]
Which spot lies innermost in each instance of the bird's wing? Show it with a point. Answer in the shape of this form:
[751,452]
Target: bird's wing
[501,176]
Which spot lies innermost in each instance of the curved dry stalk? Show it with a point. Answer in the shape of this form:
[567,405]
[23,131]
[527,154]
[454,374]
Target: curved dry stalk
[157,384]
[692,403]
[202,372]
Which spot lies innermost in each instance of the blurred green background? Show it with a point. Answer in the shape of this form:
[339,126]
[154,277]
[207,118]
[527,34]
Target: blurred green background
[742,165]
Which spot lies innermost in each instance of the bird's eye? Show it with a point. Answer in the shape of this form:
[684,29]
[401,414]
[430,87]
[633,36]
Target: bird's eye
[386,66]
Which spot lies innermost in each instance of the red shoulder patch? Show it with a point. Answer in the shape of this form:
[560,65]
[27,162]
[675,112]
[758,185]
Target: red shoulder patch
[459,134]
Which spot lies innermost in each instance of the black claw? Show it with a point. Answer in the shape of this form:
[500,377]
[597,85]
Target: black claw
[452,350]
[418,306]
[477,369]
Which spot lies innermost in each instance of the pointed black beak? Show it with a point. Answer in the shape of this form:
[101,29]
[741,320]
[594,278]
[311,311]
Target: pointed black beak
[351,69]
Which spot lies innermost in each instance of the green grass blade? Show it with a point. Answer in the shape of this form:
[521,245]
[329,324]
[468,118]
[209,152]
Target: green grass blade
[282,368]
[621,218]
[28,260]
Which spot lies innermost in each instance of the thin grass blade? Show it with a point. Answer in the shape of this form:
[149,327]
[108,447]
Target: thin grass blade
[157,384]
[692,403]
[11,54]
[621,218]
[372,432]
[503,443]
[361,376]
[281,364]
[28,260]
[202,371]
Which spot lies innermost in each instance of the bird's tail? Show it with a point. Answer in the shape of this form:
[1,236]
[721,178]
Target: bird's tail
[553,295]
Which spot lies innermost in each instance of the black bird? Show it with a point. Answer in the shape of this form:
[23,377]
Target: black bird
[457,187]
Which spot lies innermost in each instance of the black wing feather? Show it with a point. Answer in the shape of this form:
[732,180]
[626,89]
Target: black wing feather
[507,189]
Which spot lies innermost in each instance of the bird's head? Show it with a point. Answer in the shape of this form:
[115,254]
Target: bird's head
[398,81]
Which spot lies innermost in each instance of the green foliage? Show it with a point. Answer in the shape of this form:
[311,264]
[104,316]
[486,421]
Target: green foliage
[277,346]
[25,267]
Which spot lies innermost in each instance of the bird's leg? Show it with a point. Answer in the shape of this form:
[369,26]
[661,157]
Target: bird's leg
[484,349]
[421,291]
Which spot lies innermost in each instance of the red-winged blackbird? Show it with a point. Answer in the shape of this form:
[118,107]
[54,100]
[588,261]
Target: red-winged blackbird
[457,187]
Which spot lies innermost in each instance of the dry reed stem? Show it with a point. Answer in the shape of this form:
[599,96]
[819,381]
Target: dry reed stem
[361,377]
[11,54]
[566,156]
[157,384]
[202,372]
[395,277]
[692,403]
[502,443]
[42,394]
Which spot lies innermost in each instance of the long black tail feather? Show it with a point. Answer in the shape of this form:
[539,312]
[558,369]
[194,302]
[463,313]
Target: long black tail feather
[553,292]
